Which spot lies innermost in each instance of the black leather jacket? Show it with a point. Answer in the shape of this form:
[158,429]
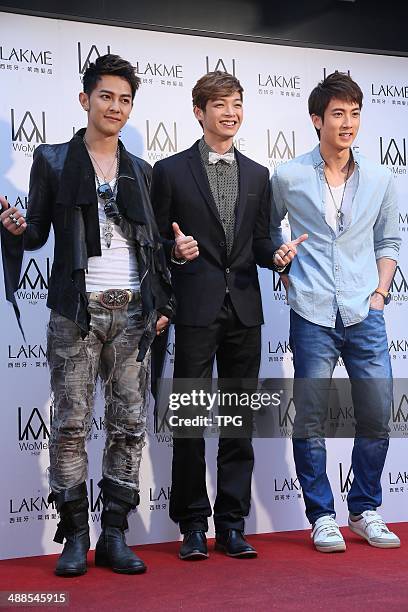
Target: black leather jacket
[62,194]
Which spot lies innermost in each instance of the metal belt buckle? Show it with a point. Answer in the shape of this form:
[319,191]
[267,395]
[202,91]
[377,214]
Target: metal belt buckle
[114,299]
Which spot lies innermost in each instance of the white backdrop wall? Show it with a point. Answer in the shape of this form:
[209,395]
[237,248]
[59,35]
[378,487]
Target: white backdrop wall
[41,62]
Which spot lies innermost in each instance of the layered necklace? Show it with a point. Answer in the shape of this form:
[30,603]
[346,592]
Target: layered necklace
[107,229]
[339,212]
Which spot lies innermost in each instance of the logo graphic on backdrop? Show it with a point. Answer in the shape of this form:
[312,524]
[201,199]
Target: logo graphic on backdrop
[33,286]
[398,482]
[399,414]
[89,54]
[279,85]
[345,480]
[398,348]
[403,221]
[34,507]
[327,71]
[389,93]
[161,139]
[29,60]
[287,489]
[95,501]
[393,154]
[33,430]
[221,63]
[27,131]
[278,351]
[26,356]
[154,73]
[281,147]
[399,287]
[159,498]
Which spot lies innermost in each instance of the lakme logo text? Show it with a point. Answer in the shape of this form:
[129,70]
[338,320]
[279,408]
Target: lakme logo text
[212,64]
[345,480]
[389,93]
[27,131]
[397,481]
[159,498]
[18,201]
[403,221]
[29,60]
[38,506]
[393,154]
[278,349]
[24,355]
[170,75]
[287,488]
[34,281]
[33,431]
[90,55]
[279,84]
[161,139]
[398,348]
[281,147]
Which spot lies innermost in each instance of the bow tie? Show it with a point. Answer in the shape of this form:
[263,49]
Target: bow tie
[213,158]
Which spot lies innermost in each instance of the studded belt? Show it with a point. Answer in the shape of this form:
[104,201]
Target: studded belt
[112,299]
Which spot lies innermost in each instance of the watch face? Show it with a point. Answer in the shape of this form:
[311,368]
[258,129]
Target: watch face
[387,299]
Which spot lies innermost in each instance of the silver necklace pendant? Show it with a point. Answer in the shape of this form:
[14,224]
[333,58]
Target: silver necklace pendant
[108,233]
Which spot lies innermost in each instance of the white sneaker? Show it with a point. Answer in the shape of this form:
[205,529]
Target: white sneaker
[326,535]
[372,527]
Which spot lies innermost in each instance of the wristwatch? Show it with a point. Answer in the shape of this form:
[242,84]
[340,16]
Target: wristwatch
[386,295]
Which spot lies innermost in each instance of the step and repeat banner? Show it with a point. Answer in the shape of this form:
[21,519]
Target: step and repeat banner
[41,64]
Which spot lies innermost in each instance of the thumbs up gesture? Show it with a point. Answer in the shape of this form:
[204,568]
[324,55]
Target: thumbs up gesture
[185,246]
[287,251]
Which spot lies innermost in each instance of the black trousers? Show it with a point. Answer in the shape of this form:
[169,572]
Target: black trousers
[237,349]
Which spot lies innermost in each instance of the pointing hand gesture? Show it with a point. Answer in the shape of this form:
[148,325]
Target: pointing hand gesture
[287,251]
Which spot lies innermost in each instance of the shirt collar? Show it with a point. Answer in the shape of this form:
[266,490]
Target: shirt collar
[205,149]
[318,159]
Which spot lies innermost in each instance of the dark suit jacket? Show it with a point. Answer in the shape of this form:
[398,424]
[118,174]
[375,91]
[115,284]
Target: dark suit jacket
[181,192]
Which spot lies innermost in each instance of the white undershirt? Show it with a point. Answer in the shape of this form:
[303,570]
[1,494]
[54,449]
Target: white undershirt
[331,209]
[117,267]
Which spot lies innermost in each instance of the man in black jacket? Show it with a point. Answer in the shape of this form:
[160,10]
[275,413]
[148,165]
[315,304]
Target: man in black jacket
[109,295]
[212,206]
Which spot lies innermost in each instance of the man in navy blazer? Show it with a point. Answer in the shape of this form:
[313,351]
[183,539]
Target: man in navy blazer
[212,206]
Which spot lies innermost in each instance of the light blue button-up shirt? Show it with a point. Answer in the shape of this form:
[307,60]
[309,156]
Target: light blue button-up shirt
[334,273]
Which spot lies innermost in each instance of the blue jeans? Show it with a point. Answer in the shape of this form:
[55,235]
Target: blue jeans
[364,349]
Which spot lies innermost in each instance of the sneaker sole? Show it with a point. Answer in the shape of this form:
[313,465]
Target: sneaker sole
[375,544]
[335,548]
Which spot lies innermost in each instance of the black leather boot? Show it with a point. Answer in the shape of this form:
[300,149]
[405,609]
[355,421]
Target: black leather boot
[111,549]
[72,505]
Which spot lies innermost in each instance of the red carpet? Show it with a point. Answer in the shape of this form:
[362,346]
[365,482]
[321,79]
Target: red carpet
[288,575]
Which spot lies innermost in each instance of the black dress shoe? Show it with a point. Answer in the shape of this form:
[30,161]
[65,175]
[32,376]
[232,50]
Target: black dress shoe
[234,544]
[194,546]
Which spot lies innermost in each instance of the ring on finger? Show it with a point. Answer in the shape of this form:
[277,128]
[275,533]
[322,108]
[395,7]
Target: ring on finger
[287,252]
[12,217]
[17,223]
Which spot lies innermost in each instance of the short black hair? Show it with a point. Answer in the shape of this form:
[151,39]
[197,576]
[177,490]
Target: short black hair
[112,65]
[336,85]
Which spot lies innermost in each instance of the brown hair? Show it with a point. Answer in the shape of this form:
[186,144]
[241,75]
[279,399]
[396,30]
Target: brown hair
[215,85]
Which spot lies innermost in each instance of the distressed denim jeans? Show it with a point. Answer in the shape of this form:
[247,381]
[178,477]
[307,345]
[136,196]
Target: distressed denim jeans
[364,349]
[110,351]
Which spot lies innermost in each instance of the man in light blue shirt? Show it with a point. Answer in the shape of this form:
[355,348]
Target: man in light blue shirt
[337,288]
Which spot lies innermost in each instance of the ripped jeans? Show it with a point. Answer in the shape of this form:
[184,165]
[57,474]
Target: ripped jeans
[110,350]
